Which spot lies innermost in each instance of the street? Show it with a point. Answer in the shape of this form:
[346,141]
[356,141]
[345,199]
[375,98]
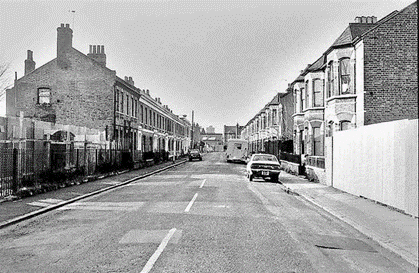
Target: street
[203,216]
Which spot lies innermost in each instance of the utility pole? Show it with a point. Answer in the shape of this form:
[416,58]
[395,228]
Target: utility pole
[192,140]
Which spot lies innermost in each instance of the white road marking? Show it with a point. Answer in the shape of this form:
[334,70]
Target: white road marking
[45,202]
[156,255]
[111,206]
[203,182]
[191,203]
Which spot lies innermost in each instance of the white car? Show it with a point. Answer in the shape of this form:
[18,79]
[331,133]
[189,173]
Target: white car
[263,166]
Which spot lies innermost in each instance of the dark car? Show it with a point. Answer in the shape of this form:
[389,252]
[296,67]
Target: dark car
[194,154]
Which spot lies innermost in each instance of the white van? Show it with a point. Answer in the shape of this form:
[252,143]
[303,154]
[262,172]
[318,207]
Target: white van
[237,150]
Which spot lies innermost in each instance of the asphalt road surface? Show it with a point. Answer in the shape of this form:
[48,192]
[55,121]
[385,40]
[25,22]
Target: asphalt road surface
[203,216]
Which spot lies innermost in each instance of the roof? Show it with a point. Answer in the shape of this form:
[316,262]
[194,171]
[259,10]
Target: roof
[351,32]
[384,20]
[318,64]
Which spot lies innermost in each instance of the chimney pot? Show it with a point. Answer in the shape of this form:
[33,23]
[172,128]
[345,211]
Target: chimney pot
[94,49]
[102,49]
[374,19]
[126,78]
[30,55]
[67,25]
[62,25]
[90,49]
[363,19]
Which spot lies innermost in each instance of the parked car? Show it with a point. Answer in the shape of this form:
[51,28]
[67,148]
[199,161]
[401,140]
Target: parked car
[263,166]
[194,154]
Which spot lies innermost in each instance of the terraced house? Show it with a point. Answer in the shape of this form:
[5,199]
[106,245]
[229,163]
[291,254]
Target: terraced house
[78,89]
[271,124]
[367,76]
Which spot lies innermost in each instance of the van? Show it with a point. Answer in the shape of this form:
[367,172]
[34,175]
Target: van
[237,150]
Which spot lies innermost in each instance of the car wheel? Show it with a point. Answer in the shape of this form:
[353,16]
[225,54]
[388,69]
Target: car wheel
[190,159]
[274,178]
[251,177]
[200,159]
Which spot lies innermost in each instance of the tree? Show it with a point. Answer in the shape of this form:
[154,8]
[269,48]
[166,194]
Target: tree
[4,79]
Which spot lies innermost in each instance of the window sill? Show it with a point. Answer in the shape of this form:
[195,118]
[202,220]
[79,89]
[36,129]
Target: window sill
[44,104]
[313,109]
[345,96]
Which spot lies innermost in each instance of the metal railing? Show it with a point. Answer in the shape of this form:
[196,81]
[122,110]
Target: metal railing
[49,165]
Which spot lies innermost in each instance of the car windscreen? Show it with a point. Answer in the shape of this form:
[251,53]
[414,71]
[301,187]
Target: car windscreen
[265,158]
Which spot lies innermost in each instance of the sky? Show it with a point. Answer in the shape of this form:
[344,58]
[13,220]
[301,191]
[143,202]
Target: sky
[224,60]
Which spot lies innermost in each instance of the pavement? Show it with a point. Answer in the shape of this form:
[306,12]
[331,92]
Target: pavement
[392,229]
[12,212]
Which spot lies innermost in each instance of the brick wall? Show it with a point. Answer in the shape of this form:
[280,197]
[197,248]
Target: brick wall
[81,94]
[391,69]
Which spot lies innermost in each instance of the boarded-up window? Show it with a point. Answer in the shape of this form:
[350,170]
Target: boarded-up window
[318,93]
[44,95]
[344,76]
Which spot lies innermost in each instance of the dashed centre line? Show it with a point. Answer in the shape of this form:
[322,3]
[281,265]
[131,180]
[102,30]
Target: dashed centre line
[191,203]
[203,182]
[156,255]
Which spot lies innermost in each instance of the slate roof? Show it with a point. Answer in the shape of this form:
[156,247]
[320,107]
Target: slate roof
[317,65]
[351,32]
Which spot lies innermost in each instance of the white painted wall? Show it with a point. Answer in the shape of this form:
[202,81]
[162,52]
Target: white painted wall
[379,162]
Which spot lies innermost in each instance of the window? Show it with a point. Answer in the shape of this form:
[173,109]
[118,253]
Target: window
[302,141]
[117,100]
[345,125]
[318,93]
[318,147]
[330,80]
[132,107]
[121,101]
[306,98]
[344,76]
[127,105]
[302,98]
[44,95]
[274,117]
[141,113]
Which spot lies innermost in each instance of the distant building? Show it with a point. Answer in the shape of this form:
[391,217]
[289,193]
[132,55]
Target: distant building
[232,132]
[213,142]
[78,89]
[272,123]
[210,130]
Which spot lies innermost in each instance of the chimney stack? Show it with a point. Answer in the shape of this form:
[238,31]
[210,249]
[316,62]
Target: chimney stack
[64,44]
[366,19]
[148,92]
[97,53]
[29,63]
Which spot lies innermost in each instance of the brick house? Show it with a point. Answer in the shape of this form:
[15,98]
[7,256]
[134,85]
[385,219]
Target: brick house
[232,132]
[78,89]
[368,75]
[387,69]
